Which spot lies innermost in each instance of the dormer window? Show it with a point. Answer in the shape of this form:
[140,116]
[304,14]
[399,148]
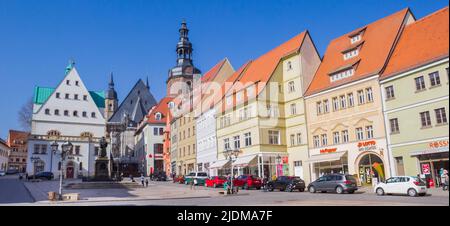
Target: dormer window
[341,75]
[67,82]
[289,65]
[76,83]
[158,116]
[355,38]
[350,54]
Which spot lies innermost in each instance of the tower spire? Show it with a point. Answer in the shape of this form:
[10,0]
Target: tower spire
[111,81]
[111,92]
[70,66]
[184,46]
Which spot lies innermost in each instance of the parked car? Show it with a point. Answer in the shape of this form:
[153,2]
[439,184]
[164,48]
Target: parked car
[411,186]
[12,171]
[160,176]
[2,173]
[338,183]
[215,181]
[248,181]
[200,176]
[287,183]
[42,175]
[179,179]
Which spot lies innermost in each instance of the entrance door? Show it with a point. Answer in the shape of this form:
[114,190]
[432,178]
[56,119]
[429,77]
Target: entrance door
[69,170]
[371,166]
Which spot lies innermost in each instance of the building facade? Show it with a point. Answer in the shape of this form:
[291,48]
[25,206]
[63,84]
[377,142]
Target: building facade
[68,112]
[205,115]
[254,112]
[17,141]
[346,132]
[416,98]
[4,153]
[150,138]
[122,125]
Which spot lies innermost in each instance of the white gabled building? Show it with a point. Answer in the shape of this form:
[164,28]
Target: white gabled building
[68,112]
[205,120]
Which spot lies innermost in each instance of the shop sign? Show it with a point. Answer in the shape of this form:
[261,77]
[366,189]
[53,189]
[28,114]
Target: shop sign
[367,145]
[328,150]
[438,144]
[426,168]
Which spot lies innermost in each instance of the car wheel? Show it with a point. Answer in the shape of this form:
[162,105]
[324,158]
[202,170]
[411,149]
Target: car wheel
[289,188]
[412,192]
[339,190]
[380,191]
[270,188]
[312,189]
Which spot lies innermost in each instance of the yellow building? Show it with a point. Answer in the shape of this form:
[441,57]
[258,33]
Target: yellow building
[346,132]
[254,113]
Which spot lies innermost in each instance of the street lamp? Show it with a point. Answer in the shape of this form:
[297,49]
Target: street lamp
[278,159]
[231,155]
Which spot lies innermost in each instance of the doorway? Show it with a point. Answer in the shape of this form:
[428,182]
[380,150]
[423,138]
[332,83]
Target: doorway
[370,166]
[69,170]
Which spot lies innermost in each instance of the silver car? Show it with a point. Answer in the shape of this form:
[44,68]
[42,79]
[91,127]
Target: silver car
[338,183]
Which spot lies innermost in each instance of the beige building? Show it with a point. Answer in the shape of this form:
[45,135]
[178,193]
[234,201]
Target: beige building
[346,132]
[256,110]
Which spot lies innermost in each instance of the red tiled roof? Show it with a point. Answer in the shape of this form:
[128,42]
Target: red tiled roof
[163,108]
[259,71]
[211,74]
[378,38]
[421,42]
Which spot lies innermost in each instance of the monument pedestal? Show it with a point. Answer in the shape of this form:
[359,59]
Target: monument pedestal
[101,169]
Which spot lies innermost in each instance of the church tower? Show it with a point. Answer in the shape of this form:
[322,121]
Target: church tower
[111,102]
[181,76]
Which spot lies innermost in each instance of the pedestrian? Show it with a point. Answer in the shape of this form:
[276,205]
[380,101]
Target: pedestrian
[146,182]
[192,184]
[142,180]
[26,176]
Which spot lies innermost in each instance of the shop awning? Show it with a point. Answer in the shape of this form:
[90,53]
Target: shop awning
[326,157]
[219,164]
[244,161]
[429,151]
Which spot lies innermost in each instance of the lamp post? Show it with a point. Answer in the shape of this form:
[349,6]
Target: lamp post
[231,155]
[65,148]
[278,160]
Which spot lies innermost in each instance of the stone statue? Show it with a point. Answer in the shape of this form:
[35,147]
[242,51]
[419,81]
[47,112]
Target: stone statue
[103,145]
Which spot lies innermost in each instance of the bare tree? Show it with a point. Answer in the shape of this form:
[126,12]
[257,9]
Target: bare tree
[25,114]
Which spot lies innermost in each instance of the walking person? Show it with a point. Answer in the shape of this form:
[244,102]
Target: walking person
[444,180]
[142,180]
[146,182]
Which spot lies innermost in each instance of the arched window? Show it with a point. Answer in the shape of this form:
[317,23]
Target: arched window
[66,113]
[47,111]
[75,113]
[56,112]
[93,114]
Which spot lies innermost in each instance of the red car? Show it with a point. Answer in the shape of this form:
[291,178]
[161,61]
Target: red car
[248,181]
[215,181]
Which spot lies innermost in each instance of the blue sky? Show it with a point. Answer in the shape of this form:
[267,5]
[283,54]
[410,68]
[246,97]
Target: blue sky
[137,38]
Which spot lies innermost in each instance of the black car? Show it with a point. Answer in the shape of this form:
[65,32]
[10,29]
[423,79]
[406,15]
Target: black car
[160,176]
[42,175]
[286,183]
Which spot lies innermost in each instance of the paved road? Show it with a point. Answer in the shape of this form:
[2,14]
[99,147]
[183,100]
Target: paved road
[12,190]
[254,197]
